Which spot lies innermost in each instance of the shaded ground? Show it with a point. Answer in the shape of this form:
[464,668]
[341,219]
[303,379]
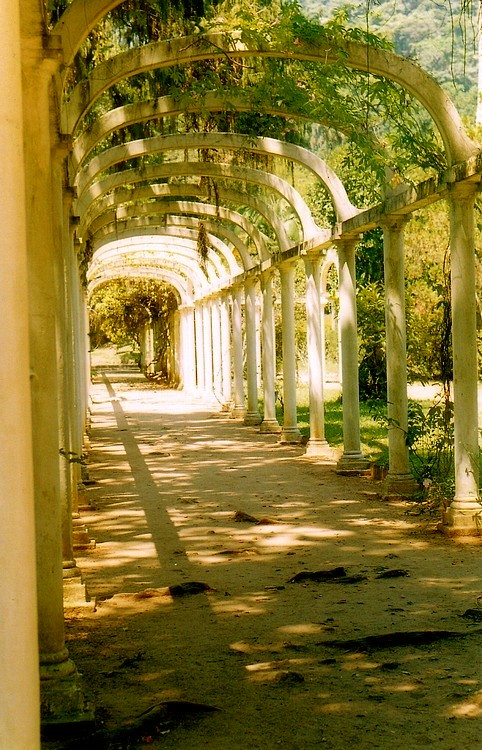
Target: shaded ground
[283,662]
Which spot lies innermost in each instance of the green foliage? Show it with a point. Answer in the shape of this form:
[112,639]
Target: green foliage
[119,309]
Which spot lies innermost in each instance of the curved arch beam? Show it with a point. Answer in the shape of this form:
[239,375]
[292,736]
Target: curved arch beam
[206,169]
[189,208]
[179,190]
[354,55]
[134,251]
[169,277]
[227,141]
[217,250]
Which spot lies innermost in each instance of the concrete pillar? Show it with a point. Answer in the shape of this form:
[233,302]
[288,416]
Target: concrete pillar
[268,352]
[198,326]
[252,413]
[216,339]
[464,515]
[290,432]
[317,444]
[352,460]
[400,481]
[19,671]
[208,351]
[188,359]
[226,352]
[238,411]
[62,698]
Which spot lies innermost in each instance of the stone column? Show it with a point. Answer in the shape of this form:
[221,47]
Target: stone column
[400,481]
[238,411]
[19,671]
[208,351]
[352,460]
[200,374]
[253,416]
[317,444]
[188,359]
[268,354]
[464,515]
[216,338]
[226,352]
[290,432]
[62,698]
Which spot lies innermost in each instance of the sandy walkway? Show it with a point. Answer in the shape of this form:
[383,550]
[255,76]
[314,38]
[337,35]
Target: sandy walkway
[277,659]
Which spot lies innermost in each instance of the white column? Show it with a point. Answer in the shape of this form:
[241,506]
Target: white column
[290,432]
[61,693]
[352,460]
[19,672]
[200,374]
[226,351]
[317,444]
[268,353]
[464,515]
[208,351]
[238,410]
[216,339]
[399,479]
[252,413]
[188,359]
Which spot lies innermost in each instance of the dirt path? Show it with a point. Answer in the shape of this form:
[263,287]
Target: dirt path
[283,662]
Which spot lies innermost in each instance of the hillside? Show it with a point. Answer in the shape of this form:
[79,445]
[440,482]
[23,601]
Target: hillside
[425,31]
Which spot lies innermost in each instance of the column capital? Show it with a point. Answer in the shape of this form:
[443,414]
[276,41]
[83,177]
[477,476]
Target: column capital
[394,221]
[462,191]
[288,265]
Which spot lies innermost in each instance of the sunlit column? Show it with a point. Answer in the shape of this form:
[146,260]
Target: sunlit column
[317,444]
[188,359]
[399,479]
[238,410]
[268,353]
[352,459]
[200,375]
[19,671]
[208,350]
[464,515]
[216,339]
[61,691]
[290,432]
[226,350]
[252,413]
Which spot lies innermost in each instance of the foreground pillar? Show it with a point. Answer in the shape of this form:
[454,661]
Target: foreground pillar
[252,413]
[238,411]
[464,515]
[352,459]
[317,444]
[290,432]
[268,354]
[400,481]
[19,671]
[62,698]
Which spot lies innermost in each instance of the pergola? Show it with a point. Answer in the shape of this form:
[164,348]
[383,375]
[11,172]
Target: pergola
[61,193]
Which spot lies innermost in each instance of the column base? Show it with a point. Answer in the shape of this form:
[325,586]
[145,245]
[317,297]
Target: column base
[400,486]
[290,435]
[462,518]
[352,464]
[252,418]
[270,427]
[319,448]
[80,536]
[238,412]
[62,697]
[75,593]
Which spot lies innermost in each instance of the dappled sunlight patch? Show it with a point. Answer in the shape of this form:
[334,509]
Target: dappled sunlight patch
[302,628]
[468,708]
[237,606]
